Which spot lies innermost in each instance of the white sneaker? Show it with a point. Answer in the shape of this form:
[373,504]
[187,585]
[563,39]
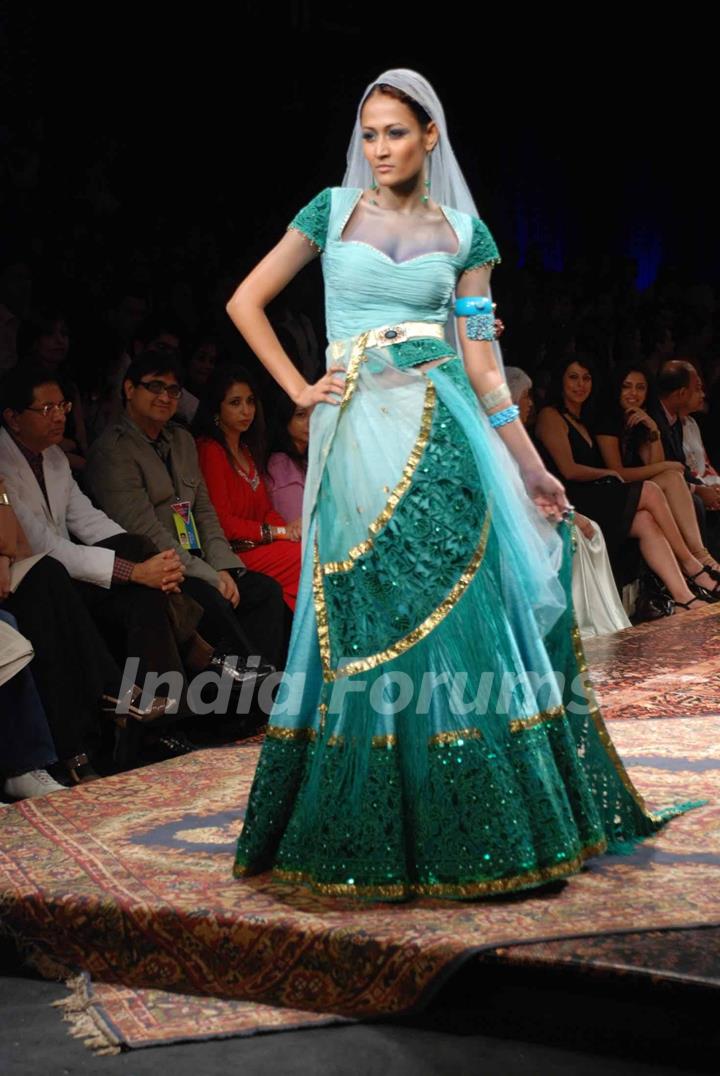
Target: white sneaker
[32,783]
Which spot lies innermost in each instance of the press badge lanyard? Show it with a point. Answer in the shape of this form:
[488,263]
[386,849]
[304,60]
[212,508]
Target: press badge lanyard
[185,526]
[184,520]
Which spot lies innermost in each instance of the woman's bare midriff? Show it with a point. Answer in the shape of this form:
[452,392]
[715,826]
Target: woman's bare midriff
[435,362]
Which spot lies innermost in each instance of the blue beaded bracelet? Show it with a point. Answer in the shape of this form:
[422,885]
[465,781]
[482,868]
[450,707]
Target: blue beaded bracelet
[501,418]
[480,327]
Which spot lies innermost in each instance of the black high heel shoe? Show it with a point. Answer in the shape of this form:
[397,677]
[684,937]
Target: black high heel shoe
[701,592]
[686,605]
[712,572]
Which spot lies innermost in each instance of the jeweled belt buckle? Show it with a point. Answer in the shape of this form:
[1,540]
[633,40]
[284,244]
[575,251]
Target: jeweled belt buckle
[396,334]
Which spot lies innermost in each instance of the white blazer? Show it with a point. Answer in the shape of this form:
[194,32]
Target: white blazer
[70,514]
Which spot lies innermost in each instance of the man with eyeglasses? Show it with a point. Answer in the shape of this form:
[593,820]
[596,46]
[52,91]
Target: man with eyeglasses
[144,471]
[123,579]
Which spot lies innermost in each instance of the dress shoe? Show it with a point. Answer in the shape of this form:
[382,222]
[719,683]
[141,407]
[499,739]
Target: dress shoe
[128,705]
[32,783]
[77,770]
[240,670]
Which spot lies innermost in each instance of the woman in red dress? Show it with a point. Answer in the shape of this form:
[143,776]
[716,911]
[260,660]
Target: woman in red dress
[232,456]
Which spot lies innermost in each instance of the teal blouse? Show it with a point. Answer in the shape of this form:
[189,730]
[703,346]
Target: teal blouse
[365,288]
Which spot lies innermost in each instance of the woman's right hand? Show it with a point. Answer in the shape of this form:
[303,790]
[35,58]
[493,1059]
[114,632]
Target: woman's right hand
[614,474]
[638,417]
[329,389]
[294,530]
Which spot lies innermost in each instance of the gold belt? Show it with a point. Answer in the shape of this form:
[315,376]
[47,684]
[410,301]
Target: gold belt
[392,334]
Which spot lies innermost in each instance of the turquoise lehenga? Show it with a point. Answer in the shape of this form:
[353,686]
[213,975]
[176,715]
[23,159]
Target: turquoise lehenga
[434,733]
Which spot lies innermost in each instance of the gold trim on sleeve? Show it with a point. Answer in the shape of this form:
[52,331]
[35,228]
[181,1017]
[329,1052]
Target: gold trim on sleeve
[489,264]
[316,246]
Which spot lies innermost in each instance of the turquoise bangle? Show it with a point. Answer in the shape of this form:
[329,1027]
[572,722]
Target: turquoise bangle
[501,418]
[473,304]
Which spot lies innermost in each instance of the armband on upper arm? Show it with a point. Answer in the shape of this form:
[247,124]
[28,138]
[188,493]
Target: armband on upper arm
[480,316]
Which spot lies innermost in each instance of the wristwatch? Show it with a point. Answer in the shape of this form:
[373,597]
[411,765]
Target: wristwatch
[653,435]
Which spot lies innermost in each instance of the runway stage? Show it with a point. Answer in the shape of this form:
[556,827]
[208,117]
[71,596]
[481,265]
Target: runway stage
[127,882]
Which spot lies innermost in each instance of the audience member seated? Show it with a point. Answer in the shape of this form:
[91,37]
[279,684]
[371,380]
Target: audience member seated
[521,386]
[622,509]
[696,455]
[144,472]
[286,468]
[121,577]
[161,335]
[598,609]
[26,746]
[631,444]
[73,670]
[43,340]
[232,452]
[680,393]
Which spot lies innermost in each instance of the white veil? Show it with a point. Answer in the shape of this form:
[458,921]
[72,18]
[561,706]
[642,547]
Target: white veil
[448,185]
[447,182]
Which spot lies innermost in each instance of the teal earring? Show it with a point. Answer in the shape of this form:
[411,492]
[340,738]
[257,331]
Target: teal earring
[373,188]
[426,195]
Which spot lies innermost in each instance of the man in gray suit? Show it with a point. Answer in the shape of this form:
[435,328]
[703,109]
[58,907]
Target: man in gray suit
[122,578]
[144,472]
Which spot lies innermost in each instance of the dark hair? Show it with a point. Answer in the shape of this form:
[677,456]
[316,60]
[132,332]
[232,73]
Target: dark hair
[391,91]
[621,372]
[152,362]
[206,426]
[554,394]
[613,415]
[674,375]
[39,323]
[280,439]
[17,389]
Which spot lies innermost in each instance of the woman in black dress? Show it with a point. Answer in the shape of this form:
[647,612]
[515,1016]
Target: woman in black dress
[630,443]
[622,509]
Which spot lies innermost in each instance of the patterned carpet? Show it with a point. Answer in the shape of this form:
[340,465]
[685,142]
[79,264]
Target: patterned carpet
[666,668]
[128,880]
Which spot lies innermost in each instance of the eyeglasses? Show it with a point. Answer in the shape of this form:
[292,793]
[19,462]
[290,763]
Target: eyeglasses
[158,387]
[64,407]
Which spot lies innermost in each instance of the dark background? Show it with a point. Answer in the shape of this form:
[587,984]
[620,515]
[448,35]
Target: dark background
[136,139]
[572,133]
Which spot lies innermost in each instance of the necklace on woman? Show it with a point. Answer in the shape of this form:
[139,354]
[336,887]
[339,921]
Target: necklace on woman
[252,480]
